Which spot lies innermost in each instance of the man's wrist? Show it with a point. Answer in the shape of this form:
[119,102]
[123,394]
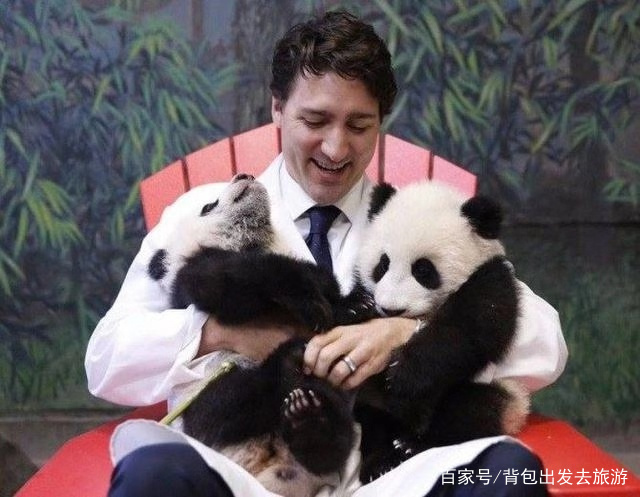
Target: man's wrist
[209,337]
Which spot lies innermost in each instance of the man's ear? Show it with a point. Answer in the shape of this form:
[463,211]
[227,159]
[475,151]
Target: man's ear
[276,111]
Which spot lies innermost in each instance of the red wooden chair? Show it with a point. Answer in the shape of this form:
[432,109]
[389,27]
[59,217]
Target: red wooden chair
[81,467]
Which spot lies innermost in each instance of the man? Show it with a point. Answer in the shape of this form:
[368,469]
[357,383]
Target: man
[332,85]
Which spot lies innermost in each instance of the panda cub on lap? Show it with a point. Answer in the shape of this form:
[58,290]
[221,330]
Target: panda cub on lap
[429,253]
[290,430]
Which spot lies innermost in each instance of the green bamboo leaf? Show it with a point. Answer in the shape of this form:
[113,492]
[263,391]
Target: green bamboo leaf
[171,108]
[466,105]
[449,104]
[134,136]
[457,55]
[11,265]
[434,29]
[468,15]
[4,61]
[103,86]
[550,51]
[567,13]
[416,62]
[31,175]
[491,91]
[21,232]
[472,63]
[548,129]
[393,16]
[498,11]
[134,197]
[16,140]
[117,226]
[134,51]
[5,284]
[593,33]
[27,27]
[398,108]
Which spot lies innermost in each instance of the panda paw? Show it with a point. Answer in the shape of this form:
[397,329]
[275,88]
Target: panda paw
[404,449]
[374,468]
[356,308]
[300,405]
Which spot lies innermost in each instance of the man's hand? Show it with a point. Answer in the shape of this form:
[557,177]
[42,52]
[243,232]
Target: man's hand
[369,345]
[255,340]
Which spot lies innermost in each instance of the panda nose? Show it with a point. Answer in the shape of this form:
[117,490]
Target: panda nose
[286,473]
[392,312]
[241,176]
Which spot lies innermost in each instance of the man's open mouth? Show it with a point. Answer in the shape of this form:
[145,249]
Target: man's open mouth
[331,168]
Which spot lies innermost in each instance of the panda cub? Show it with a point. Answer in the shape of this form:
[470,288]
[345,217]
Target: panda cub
[290,430]
[428,253]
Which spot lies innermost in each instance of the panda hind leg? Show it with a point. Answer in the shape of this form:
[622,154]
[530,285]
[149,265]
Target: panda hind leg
[318,426]
[476,410]
[385,443]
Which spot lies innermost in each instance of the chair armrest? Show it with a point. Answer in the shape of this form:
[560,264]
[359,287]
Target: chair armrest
[569,457]
[82,466]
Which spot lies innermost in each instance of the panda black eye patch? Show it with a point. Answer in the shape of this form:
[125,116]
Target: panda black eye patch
[208,208]
[426,273]
[381,268]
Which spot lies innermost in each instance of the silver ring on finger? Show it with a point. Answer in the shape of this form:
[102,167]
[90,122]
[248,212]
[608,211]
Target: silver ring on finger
[350,364]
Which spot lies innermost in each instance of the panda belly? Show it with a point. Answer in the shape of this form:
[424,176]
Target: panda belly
[269,460]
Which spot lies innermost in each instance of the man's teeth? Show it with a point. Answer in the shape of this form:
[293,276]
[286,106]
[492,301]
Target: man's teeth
[330,167]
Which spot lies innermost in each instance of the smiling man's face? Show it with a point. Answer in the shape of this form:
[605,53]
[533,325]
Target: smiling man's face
[329,129]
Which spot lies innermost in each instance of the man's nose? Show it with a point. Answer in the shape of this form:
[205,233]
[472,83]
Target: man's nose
[335,145]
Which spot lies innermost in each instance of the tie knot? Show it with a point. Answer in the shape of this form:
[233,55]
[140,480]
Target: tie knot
[322,218]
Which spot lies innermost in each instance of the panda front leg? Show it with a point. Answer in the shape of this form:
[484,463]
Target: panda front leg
[419,374]
[471,329]
[245,287]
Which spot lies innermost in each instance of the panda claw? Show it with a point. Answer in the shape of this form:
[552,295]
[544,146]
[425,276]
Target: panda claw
[314,398]
[300,403]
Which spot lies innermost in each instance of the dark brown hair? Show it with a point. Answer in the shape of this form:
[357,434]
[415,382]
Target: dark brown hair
[335,42]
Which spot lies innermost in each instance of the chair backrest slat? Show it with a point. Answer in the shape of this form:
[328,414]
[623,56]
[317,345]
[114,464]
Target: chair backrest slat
[374,169]
[447,172]
[161,189]
[404,162]
[210,164]
[255,149]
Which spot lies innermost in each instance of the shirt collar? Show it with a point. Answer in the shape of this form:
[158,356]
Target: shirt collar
[297,200]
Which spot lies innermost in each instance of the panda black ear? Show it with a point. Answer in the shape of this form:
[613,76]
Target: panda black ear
[379,197]
[484,215]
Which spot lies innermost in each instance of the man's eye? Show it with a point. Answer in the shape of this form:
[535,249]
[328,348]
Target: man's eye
[208,208]
[358,129]
[311,123]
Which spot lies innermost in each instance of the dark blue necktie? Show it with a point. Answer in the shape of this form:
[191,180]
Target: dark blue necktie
[321,218]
